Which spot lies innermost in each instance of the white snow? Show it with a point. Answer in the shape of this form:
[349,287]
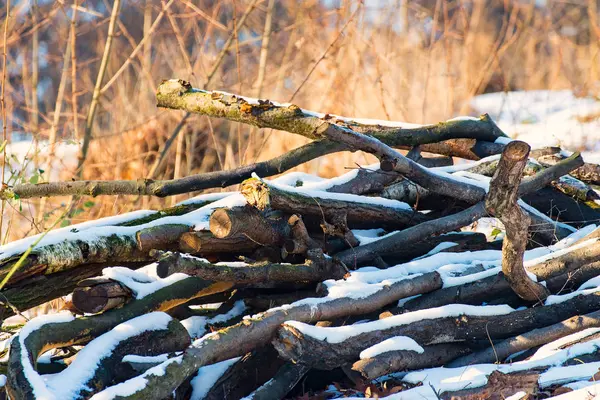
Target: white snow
[196,325]
[392,344]
[353,198]
[340,333]
[69,382]
[2,380]
[544,117]
[134,358]
[35,380]
[207,376]
[143,281]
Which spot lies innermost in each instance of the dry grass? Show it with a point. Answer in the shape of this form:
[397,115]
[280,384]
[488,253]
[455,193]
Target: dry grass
[326,55]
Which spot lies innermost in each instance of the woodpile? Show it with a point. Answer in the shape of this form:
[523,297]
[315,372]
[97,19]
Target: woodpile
[374,283]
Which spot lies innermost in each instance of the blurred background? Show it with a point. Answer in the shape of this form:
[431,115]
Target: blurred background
[90,67]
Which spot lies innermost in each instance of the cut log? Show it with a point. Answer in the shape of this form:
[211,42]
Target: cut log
[501,201]
[358,214]
[499,387]
[97,295]
[159,237]
[248,222]
[204,243]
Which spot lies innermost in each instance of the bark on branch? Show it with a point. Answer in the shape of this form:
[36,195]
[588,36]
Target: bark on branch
[501,202]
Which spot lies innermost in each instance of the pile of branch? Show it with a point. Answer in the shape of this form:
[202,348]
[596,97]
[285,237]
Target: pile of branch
[363,284]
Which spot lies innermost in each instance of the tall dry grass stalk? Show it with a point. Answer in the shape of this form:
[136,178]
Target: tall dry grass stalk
[414,60]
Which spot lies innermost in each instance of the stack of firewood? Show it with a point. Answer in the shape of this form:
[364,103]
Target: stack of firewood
[299,286]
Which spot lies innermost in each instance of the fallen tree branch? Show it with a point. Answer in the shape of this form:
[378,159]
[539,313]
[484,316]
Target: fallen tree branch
[529,340]
[82,330]
[293,344]
[499,386]
[316,269]
[398,241]
[258,330]
[406,360]
[501,202]
[365,215]
[560,270]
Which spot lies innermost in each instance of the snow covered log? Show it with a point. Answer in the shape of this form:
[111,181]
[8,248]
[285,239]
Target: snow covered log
[531,339]
[359,212]
[576,266]
[329,348]
[179,95]
[501,201]
[97,364]
[249,222]
[253,332]
[317,268]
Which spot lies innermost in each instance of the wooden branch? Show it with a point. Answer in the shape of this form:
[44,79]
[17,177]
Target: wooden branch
[101,294]
[499,386]
[365,182]
[588,172]
[404,360]
[259,330]
[82,330]
[316,269]
[179,94]
[261,195]
[501,201]
[150,343]
[557,271]
[41,289]
[529,340]
[562,207]
[296,346]
[280,385]
[163,188]
[398,242]
[204,242]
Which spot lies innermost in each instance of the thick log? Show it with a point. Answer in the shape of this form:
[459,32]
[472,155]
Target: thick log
[159,237]
[292,344]
[204,242]
[259,330]
[249,222]
[111,369]
[365,182]
[404,360]
[97,295]
[529,340]
[261,195]
[501,201]
[316,269]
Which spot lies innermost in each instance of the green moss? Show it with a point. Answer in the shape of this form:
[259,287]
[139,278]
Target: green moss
[168,212]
